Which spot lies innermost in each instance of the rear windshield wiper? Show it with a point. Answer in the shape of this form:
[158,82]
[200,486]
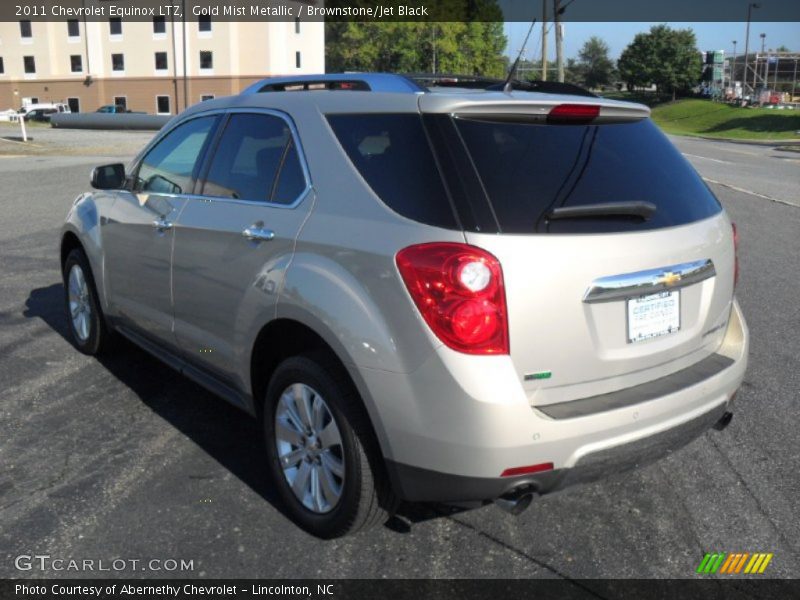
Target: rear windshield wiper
[643,210]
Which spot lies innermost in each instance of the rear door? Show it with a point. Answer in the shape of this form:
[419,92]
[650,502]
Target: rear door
[598,299]
[235,239]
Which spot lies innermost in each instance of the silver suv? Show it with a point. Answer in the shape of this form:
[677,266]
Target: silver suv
[443,292]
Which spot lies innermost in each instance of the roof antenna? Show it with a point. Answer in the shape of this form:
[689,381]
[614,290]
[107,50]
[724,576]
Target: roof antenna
[508,86]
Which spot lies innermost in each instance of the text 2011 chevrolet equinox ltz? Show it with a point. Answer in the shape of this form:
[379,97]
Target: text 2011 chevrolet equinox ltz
[424,293]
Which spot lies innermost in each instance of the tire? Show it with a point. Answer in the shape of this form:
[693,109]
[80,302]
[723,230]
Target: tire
[90,335]
[364,496]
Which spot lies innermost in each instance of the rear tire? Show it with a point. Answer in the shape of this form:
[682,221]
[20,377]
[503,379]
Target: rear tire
[87,325]
[324,459]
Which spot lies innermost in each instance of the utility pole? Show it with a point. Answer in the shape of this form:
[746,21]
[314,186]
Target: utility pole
[185,67]
[557,10]
[763,37]
[750,8]
[544,40]
[174,62]
[733,69]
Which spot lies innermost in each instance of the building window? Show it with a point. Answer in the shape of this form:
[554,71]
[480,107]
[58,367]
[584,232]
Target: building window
[162,105]
[117,62]
[206,97]
[298,60]
[204,23]
[25,29]
[121,102]
[74,104]
[115,26]
[76,63]
[159,25]
[2,66]
[297,25]
[30,64]
[73,28]
[162,63]
[206,59]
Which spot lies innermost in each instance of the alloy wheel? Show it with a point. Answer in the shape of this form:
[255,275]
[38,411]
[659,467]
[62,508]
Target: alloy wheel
[309,448]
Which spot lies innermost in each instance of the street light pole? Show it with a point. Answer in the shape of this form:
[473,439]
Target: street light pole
[750,8]
[733,69]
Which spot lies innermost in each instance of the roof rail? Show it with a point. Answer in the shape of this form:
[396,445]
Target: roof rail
[365,82]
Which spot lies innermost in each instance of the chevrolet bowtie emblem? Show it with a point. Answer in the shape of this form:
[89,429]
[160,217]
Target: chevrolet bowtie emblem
[669,278]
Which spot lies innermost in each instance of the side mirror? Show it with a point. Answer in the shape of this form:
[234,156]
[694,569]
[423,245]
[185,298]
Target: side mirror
[108,177]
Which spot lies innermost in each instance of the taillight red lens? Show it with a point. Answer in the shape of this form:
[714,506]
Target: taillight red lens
[573,113]
[459,291]
[735,255]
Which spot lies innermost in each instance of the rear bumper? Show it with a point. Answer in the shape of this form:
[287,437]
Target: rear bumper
[448,439]
[422,485]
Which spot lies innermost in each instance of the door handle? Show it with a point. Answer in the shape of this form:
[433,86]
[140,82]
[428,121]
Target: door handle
[161,224]
[258,234]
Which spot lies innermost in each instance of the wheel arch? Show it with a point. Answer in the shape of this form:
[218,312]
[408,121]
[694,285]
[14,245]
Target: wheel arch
[284,337]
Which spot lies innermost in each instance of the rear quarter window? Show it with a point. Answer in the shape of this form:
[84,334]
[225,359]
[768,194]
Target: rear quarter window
[392,154]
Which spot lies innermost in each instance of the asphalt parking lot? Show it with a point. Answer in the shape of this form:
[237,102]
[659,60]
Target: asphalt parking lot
[123,458]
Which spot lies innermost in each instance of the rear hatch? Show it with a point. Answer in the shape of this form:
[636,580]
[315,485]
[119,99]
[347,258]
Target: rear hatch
[618,261]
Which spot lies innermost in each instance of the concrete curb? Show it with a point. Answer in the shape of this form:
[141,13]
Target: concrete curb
[795,142]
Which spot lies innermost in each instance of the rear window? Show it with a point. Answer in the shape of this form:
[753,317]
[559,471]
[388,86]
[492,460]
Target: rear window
[392,153]
[526,170]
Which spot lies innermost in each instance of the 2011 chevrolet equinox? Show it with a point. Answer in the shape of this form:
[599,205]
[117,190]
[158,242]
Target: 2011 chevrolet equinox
[434,293]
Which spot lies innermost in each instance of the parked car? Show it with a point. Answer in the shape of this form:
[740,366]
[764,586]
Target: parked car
[422,293]
[39,115]
[111,109]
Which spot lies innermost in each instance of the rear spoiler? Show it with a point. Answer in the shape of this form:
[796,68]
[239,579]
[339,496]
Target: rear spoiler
[554,111]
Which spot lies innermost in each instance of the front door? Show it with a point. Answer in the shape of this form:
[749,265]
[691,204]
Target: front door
[234,241]
[140,228]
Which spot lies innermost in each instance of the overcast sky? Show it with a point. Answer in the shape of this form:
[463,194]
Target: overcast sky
[710,36]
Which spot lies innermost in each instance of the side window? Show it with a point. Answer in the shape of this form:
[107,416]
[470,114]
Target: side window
[169,167]
[252,151]
[291,181]
[392,154]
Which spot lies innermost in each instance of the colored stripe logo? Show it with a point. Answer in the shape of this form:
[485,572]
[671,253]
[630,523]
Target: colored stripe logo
[733,563]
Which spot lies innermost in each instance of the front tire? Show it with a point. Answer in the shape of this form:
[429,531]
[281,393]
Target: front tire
[322,455]
[90,334]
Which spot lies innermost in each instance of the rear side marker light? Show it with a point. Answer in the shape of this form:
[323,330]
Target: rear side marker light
[527,470]
[573,113]
[459,291]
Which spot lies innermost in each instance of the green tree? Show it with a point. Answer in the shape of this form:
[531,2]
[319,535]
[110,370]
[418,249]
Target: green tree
[472,48]
[665,57]
[593,68]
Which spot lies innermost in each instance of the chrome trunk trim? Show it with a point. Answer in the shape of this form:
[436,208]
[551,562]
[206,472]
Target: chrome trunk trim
[629,285]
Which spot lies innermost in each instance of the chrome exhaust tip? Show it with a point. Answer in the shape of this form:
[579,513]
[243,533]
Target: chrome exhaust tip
[516,501]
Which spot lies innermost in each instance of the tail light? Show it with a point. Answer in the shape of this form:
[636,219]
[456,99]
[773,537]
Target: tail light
[573,113]
[735,255]
[459,291]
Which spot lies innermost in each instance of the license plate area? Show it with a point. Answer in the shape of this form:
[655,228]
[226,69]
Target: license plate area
[653,315]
